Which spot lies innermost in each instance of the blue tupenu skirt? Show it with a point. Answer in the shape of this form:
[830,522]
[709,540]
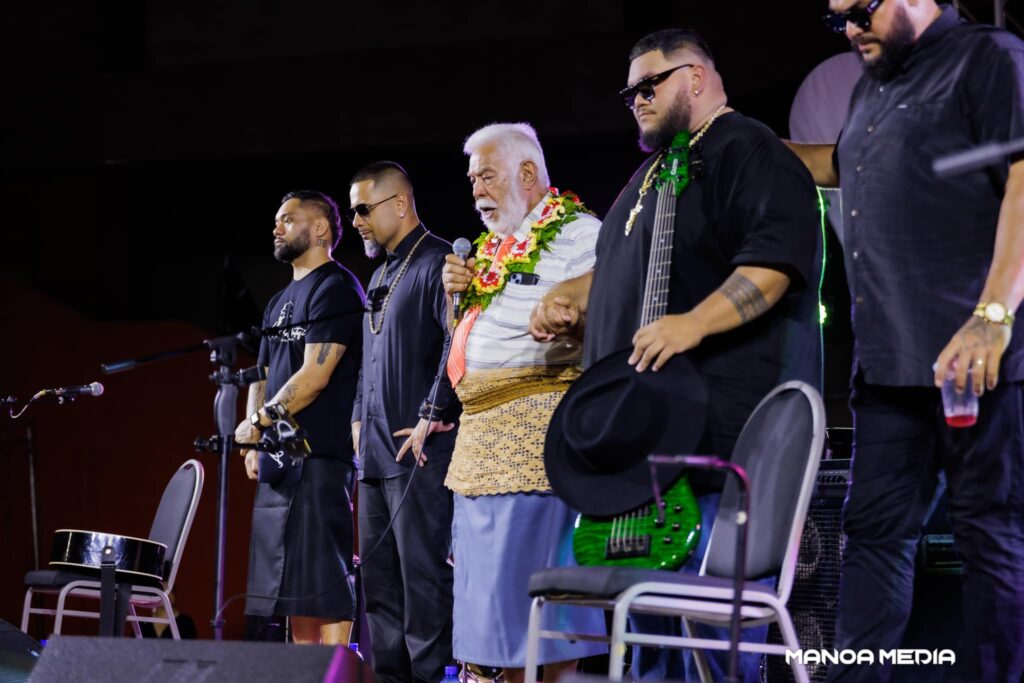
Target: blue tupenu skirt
[498,542]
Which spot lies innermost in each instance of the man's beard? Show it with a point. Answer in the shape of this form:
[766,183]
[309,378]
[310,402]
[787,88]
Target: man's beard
[677,119]
[371,249]
[511,212]
[287,252]
[894,50]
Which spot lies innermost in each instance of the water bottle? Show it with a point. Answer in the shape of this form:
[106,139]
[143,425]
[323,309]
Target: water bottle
[451,674]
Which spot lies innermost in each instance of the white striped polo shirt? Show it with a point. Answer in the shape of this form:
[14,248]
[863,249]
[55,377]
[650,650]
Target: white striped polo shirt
[500,338]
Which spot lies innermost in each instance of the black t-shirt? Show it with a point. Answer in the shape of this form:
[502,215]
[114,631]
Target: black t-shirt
[751,203]
[330,290]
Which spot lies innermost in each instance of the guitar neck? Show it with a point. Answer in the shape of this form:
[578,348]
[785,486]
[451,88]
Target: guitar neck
[659,264]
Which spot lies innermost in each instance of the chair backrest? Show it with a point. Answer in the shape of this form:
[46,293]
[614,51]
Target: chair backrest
[780,448]
[174,515]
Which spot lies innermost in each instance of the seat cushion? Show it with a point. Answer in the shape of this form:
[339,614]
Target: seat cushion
[58,578]
[607,582]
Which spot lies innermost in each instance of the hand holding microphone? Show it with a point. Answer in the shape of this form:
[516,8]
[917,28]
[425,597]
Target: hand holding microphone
[458,271]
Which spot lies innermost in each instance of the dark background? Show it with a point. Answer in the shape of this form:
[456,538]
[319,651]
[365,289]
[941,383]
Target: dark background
[144,150]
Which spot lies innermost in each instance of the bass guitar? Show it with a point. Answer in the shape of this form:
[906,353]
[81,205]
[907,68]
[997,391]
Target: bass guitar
[638,538]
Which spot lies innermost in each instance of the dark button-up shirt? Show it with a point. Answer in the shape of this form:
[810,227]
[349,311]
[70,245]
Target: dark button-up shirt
[404,363]
[918,248]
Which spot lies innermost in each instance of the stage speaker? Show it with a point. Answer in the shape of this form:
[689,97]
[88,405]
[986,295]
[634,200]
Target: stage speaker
[77,659]
[812,604]
[935,619]
[18,654]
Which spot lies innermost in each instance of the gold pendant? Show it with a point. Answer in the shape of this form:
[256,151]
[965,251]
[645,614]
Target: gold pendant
[633,213]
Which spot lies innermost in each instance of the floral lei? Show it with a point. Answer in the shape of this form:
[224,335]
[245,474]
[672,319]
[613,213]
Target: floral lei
[560,208]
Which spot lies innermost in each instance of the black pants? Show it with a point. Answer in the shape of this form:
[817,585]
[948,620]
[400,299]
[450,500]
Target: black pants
[407,581]
[900,443]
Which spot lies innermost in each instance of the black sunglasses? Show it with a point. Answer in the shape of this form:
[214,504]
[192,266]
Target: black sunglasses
[645,86]
[365,209]
[858,16]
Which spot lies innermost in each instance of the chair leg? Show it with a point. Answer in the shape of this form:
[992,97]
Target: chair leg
[533,640]
[793,643]
[617,648]
[134,619]
[698,655]
[26,611]
[172,623]
[59,620]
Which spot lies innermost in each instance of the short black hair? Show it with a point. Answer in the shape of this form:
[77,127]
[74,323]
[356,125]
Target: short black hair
[380,170]
[670,40]
[327,206]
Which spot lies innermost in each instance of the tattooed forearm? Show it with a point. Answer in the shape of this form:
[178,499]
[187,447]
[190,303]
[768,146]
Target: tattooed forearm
[257,397]
[745,297]
[287,394]
[325,352]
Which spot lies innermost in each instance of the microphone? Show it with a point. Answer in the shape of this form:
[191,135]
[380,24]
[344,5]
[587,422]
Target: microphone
[94,389]
[460,248]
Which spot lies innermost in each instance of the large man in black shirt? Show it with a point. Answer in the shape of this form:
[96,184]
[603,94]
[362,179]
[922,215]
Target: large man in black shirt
[745,259]
[405,412]
[302,524]
[936,270]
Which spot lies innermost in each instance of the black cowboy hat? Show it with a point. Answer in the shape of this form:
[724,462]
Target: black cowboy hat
[610,420]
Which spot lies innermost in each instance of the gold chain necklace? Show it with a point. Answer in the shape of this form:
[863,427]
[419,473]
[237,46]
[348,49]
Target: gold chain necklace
[376,329]
[645,187]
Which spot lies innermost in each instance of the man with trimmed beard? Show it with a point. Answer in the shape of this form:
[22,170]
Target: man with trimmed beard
[935,268]
[507,522]
[300,558]
[742,294]
[404,403]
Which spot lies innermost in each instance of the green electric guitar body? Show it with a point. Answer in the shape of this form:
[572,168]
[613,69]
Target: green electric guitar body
[635,539]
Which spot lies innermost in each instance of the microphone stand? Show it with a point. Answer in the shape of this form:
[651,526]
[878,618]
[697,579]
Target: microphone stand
[975,158]
[741,517]
[223,353]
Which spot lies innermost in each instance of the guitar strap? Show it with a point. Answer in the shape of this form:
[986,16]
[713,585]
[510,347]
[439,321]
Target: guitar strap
[115,597]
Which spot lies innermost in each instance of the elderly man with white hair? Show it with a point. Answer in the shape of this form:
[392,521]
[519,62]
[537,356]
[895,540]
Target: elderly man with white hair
[508,524]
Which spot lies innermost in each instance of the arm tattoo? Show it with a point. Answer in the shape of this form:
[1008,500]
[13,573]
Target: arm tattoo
[325,351]
[745,297]
[257,396]
[980,334]
[288,394]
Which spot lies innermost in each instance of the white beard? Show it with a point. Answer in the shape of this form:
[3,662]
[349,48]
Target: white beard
[510,216]
[371,249]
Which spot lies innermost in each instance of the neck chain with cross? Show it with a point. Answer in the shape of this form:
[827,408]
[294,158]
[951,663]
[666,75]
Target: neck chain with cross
[652,173]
